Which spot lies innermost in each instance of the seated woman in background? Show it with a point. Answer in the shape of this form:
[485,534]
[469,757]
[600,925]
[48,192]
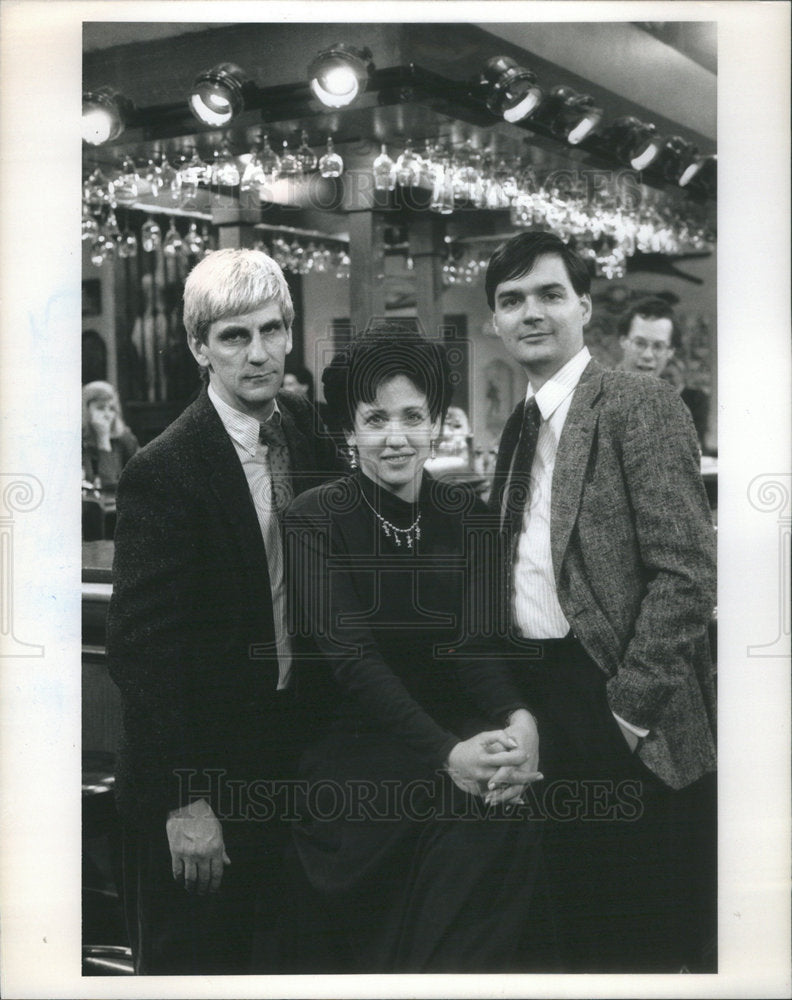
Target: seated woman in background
[107,443]
[420,745]
[107,446]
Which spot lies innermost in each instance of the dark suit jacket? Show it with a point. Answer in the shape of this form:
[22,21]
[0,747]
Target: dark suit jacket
[190,627]
[633,551]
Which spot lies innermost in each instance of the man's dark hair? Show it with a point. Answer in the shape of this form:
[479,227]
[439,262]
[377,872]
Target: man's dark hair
[517,257]
[355,374]
[655,308]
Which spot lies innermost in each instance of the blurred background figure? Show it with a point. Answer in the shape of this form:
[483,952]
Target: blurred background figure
[452,457]
[649,338]
[299,380]
[107,445]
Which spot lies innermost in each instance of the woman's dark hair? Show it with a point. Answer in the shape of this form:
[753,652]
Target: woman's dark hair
[518,255]
[356,373]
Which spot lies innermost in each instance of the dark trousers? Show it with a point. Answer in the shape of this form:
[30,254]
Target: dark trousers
[631,863]
[175,933]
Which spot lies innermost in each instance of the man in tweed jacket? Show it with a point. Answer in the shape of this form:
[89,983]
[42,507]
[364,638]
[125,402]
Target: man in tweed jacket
[196,630]
[612,591]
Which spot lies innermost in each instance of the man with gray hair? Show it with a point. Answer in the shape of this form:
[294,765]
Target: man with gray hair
[197,639]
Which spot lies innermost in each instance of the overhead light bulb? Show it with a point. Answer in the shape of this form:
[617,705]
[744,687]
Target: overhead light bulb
[218,94]
[339,74]
[511,90]
[104,116]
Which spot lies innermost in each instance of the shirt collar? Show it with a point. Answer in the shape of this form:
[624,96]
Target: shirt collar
[556,389]
[241,427]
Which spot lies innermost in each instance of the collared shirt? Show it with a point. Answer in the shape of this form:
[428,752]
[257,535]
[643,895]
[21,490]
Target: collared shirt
[537,613]
[244,433]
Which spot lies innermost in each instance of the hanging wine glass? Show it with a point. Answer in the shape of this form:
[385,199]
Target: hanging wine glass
[443,192]
[306,155]
[127,244]
[252,175]
[153,173]
[426,178]
[97,192]
[408,166]
[192,173]
[90,227]
[384,171]
[126,187]
[193,241]
[111,233]
[331,164]
[172,244]
[269,159]
[150,236]
[99,253]
[225,172]
[290,163]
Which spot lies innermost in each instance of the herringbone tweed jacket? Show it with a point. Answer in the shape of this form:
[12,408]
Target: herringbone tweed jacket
[633,552]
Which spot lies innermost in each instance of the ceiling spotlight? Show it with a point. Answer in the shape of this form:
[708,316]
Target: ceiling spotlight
[675,155]
[339,74]
[573,115]
[218,94]
[104,116]
[702,172]
[634,141]
[511,90]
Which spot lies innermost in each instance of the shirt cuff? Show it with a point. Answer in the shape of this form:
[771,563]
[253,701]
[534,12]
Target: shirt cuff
[638,731]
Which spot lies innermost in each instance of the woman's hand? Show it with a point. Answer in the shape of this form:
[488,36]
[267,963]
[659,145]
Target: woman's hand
[509,782]
[101,422]
[473,763]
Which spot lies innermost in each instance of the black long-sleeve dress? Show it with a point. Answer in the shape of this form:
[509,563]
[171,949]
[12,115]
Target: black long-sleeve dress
[392,671]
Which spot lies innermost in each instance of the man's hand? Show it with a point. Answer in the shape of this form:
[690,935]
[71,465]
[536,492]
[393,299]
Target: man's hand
[509,782]
[472,763]
[198,855]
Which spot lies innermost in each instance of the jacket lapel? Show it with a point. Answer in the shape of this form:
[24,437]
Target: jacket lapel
[571,461]
[227,481]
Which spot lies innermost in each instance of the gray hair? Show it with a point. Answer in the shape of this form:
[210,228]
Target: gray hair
[231,283]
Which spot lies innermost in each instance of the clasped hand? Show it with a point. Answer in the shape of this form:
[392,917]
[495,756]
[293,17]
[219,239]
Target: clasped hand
[498,765]
[195,838]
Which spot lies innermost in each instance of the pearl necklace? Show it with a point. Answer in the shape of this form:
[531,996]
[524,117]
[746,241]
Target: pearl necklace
[410,535]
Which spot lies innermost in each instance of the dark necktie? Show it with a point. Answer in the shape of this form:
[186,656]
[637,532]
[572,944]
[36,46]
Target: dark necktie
[272,436]
[518,487]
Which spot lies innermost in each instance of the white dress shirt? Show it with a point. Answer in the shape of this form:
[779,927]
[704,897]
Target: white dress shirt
[244,433]
[536,611]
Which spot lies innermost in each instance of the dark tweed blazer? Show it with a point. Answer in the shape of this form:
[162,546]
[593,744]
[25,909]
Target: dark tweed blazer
[190,628]
[633,552]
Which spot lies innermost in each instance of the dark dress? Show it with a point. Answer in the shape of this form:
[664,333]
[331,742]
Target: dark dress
[411,873]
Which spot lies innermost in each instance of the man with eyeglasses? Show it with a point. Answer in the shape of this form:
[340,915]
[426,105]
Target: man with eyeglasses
[648,337]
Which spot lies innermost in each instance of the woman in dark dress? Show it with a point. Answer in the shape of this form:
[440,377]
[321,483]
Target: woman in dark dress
[408,843]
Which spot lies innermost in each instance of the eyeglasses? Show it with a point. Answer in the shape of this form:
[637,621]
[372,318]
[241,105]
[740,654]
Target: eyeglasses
[658,346]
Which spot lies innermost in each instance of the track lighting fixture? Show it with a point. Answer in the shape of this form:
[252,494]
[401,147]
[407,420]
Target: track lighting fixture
[218,94]
[633,141]
[572,115]
[105,114]
[339,74]
[510,90]
[702,173]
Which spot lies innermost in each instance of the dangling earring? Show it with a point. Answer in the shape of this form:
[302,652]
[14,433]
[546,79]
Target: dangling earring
[433,448]
[353,456]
